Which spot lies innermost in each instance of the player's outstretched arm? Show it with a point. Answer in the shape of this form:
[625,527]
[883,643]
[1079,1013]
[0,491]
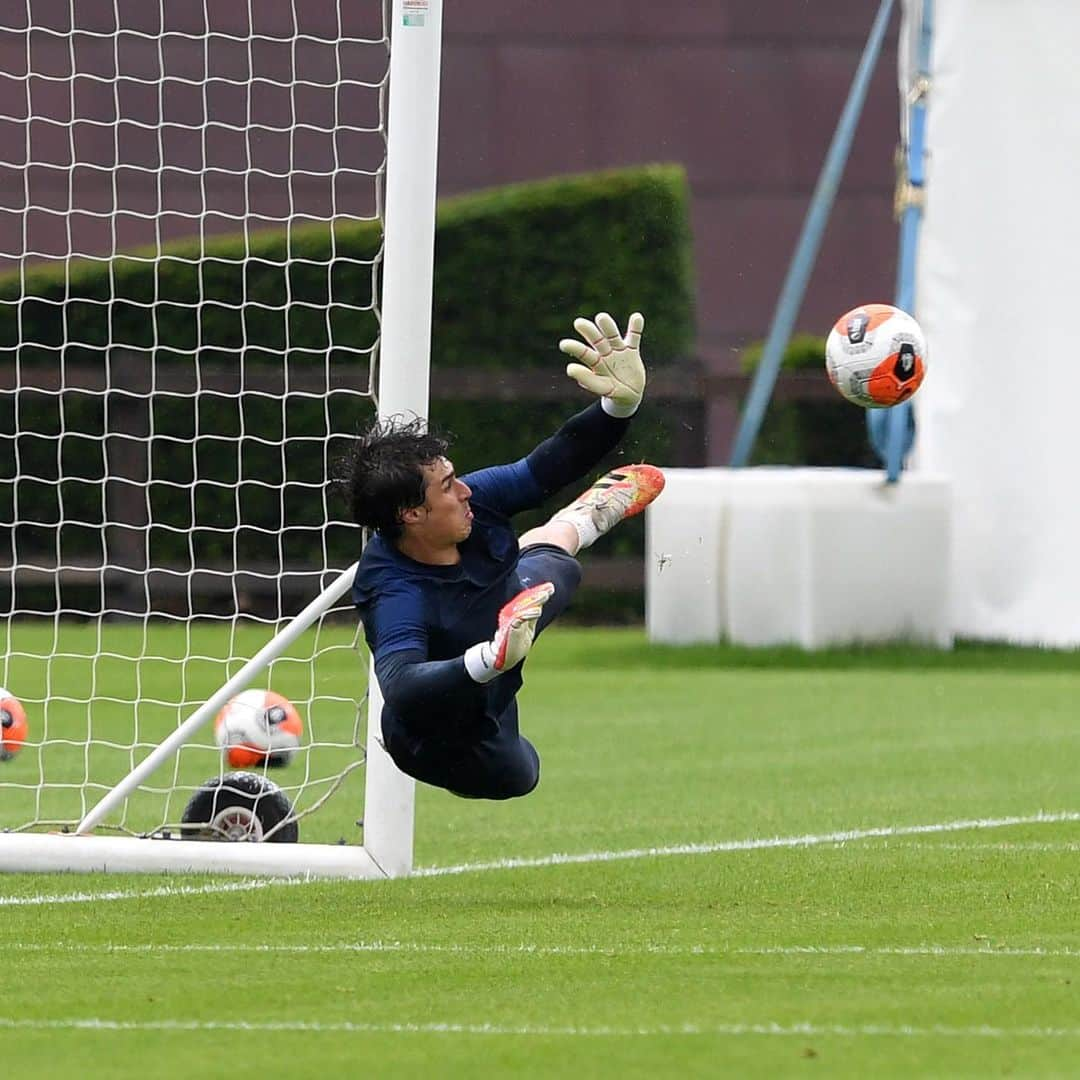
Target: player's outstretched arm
[513,638]
[607,362]
[609,365]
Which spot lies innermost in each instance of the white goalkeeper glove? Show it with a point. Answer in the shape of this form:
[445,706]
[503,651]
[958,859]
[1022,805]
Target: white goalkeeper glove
[514,637]
[609,364]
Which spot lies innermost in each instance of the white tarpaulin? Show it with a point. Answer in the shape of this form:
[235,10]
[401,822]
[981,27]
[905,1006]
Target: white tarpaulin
[998,285]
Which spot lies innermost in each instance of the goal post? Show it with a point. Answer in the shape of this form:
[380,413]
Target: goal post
[405,350]
[195,312]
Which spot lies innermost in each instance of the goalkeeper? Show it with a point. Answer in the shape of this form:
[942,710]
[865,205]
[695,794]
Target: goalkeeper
[451,599]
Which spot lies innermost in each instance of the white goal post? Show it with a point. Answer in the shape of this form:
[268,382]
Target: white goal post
[72,692]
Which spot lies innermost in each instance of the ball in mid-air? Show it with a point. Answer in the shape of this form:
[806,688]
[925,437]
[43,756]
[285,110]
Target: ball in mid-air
[13,725]
[258,727]
[875,356]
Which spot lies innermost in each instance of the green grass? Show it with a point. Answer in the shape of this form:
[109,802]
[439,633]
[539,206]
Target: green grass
[946,953]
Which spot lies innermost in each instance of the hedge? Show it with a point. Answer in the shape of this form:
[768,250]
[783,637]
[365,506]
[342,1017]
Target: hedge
[514,266]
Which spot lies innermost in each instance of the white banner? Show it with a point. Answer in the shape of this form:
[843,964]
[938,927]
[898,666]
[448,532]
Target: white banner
[998,282]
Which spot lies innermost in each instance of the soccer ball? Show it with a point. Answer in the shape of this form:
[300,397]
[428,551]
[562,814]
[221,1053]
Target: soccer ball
[258,727]
[875,356]
[13,725]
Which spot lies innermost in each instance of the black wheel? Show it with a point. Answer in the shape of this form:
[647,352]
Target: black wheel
[240,806]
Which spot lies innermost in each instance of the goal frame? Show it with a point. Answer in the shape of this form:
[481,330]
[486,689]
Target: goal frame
[403,382]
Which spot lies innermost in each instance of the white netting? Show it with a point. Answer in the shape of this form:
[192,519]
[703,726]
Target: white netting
[190,198]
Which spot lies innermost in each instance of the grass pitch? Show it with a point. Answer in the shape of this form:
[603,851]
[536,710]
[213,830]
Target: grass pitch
[775,863]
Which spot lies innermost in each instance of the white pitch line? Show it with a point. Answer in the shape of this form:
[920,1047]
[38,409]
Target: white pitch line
[105,948]
[810,840]
[616,950]
[802,1029]
[1002,846]
[160,891]
[754,844]
[911,950]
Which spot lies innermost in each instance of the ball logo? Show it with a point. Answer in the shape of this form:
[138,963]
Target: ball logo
[905,362]
[856,327]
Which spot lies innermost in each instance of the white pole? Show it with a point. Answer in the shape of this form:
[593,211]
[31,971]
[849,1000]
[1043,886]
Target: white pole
[269,652]
[37,853]
[409,238]
[405,351]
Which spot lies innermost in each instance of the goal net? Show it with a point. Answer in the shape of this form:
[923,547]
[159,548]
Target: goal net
[191,205]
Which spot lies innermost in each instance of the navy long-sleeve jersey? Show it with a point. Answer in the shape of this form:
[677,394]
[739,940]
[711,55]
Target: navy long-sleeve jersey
[419,619]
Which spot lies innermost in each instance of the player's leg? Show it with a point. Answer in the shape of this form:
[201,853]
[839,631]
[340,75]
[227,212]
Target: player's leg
[547,562]
[496,763]
[547,552]
[502,766]
[617,495]
[560,534]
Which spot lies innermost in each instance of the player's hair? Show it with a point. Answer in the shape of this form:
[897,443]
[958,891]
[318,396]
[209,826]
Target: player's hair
[382,472]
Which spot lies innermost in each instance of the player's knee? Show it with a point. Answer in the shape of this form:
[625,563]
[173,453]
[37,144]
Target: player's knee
[522,777]
[530,781]
[546,562]
[570,574]
[518,787]
[506,787]
[564,572]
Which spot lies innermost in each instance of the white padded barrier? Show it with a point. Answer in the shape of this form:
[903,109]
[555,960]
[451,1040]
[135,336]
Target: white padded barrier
[810,557]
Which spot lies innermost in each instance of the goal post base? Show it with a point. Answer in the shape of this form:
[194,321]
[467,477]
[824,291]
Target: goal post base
[36,853]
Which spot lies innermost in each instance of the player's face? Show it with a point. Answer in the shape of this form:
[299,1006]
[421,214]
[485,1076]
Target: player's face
[445,518]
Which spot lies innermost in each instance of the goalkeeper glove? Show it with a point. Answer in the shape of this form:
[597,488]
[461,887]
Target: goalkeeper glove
[609,365]
[513,638]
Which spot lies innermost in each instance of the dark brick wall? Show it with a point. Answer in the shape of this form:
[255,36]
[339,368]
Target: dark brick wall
[745,94]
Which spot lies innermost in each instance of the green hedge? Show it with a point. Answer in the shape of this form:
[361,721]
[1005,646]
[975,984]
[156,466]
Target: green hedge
[514,266]
[819,431]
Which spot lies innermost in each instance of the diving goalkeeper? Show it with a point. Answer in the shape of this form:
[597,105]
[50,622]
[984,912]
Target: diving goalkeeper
[451,599]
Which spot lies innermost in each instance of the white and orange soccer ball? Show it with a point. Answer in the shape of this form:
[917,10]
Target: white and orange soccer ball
[13,725]
[258,727]
[875,356]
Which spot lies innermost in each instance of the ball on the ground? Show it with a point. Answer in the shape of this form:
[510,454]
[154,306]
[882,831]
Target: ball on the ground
[13,725]
[875,356]
[258,727]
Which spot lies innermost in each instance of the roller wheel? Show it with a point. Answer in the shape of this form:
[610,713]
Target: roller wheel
[240,807]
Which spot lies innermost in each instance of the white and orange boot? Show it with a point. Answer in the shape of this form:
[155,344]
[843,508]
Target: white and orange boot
[617,495]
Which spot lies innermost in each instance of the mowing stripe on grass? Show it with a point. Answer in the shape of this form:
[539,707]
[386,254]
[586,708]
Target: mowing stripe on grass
[616,950]
[802,1028]
[810,840]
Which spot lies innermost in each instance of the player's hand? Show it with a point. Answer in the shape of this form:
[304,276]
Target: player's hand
[513,638]
[609,364]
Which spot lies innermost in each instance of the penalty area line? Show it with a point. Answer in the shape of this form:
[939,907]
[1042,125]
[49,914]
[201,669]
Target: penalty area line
[209,889]
[346,1027]
[844,836]
[755,844]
